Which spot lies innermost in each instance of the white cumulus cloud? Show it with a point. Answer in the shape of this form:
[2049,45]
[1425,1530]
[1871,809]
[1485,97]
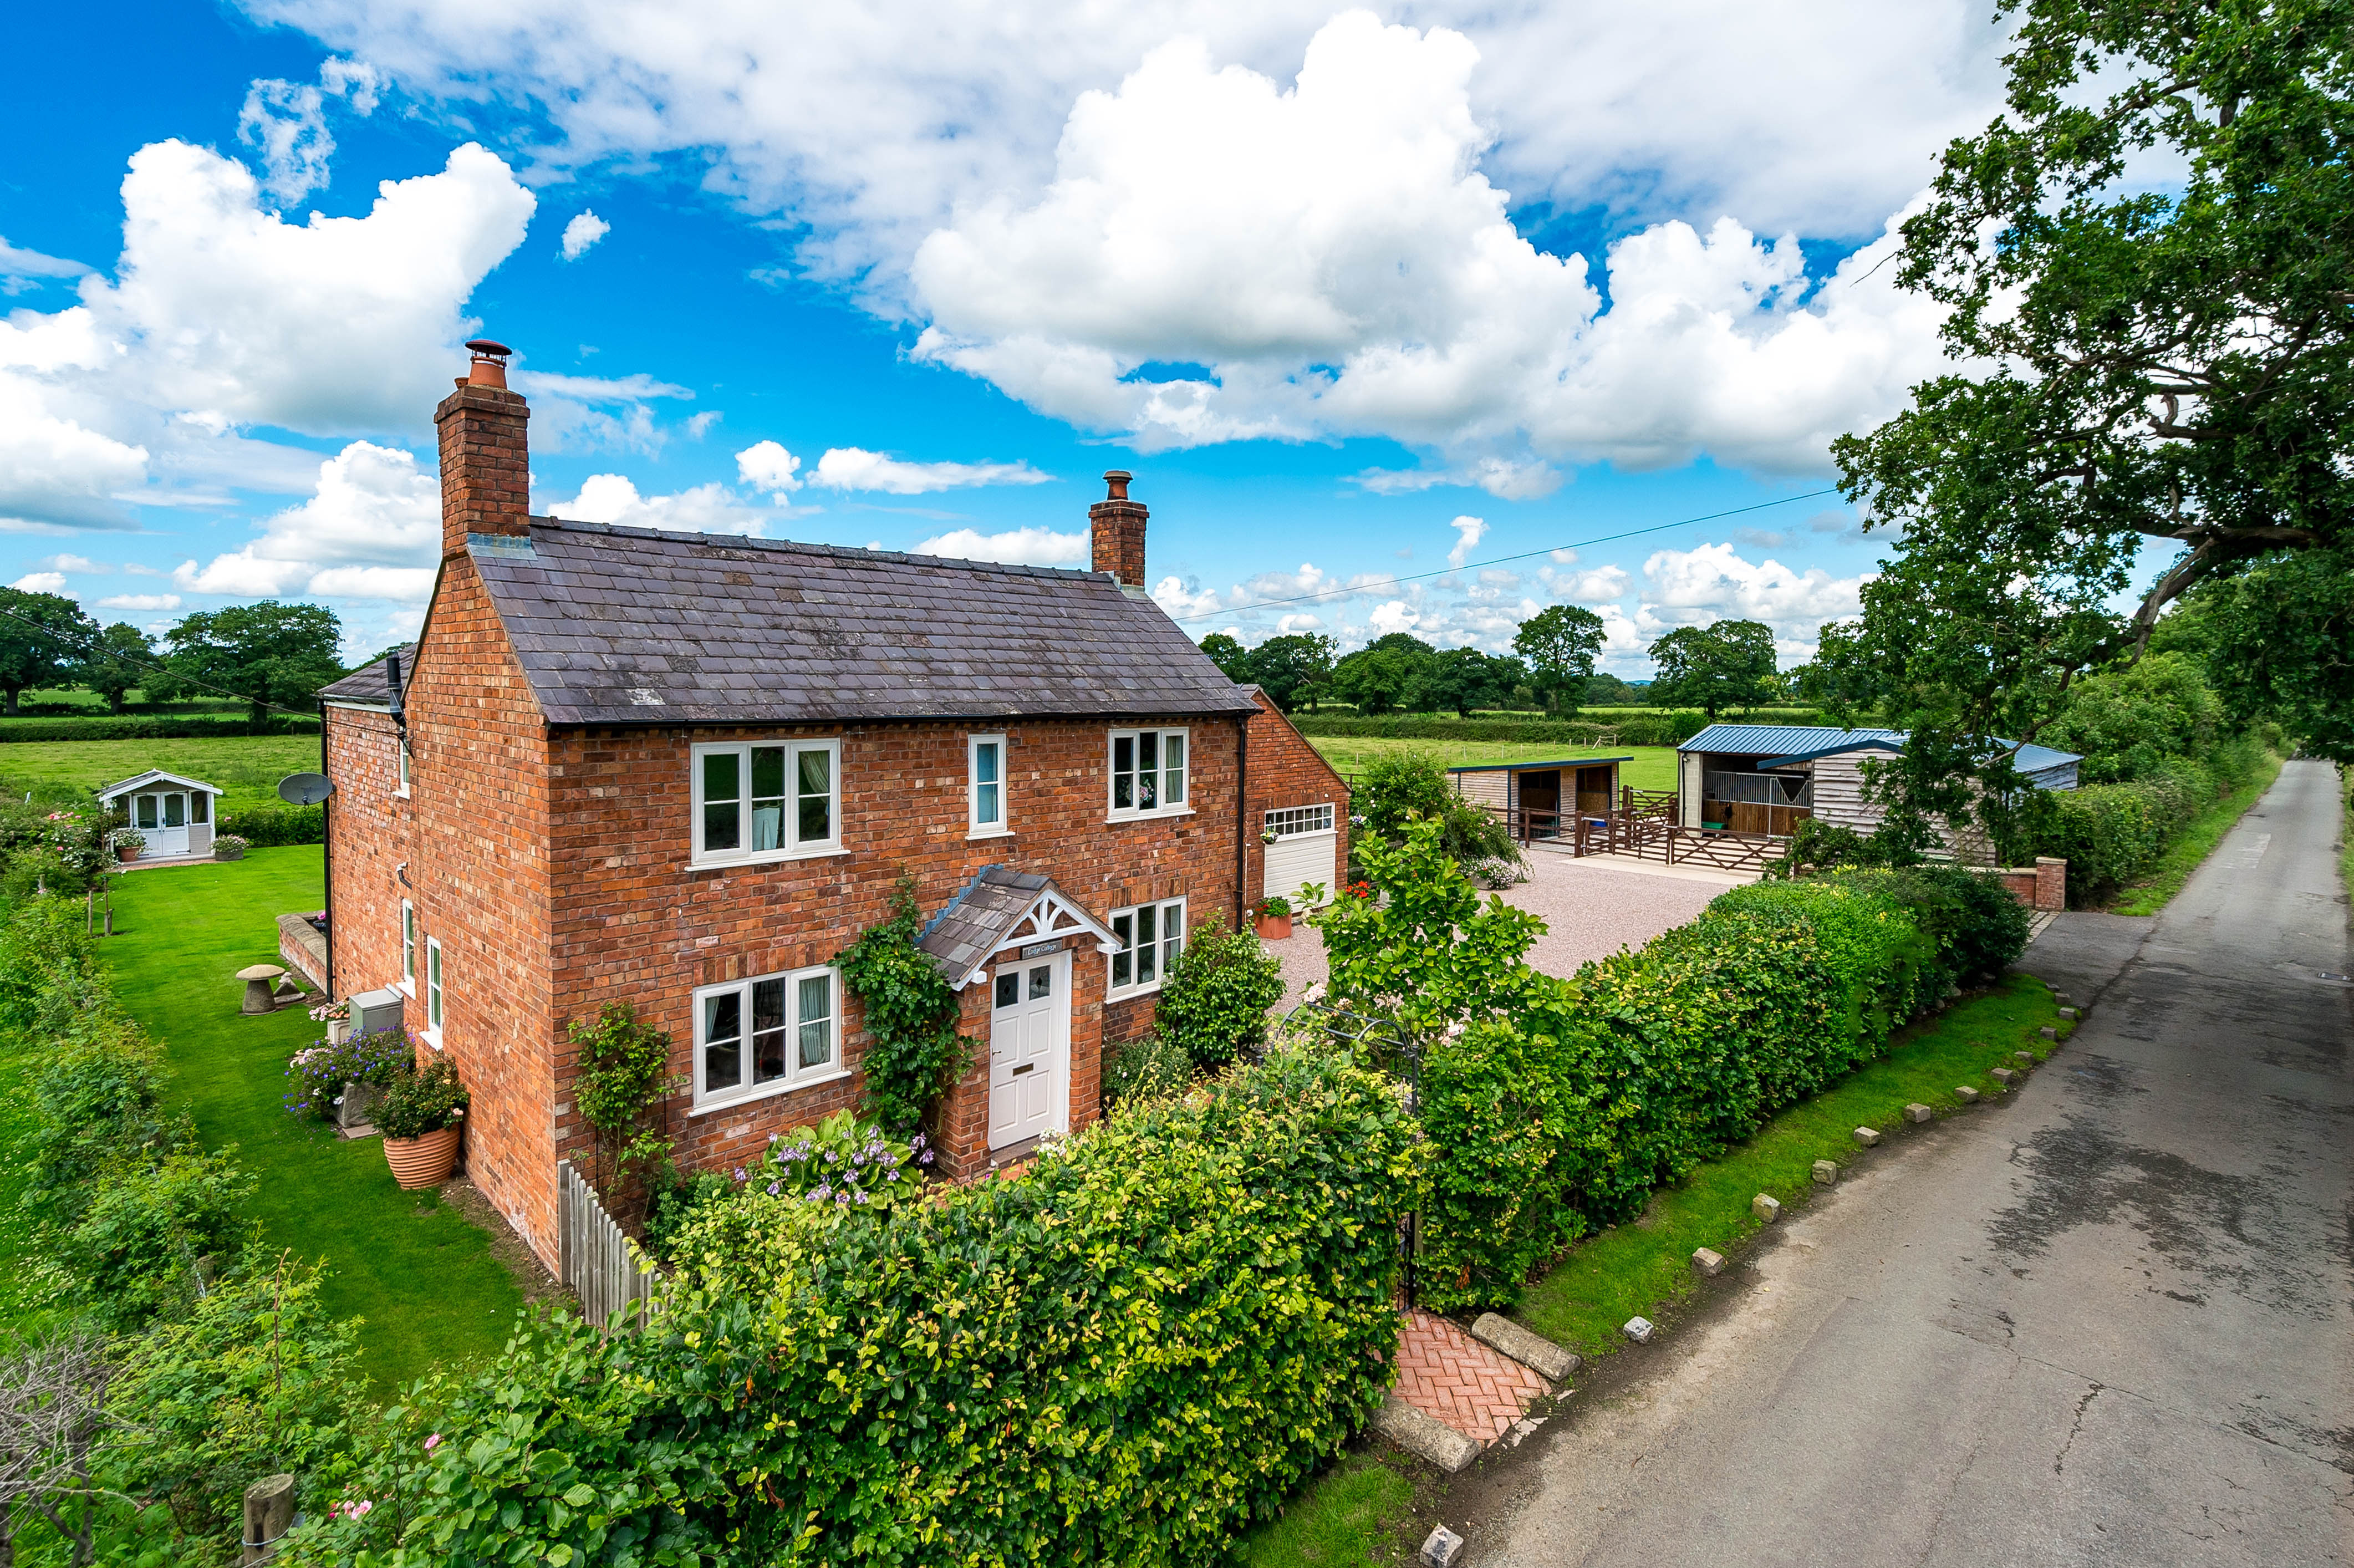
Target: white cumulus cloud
[1468,532]
[854,468]
[613,498]
[1717,582]
[585,229]
[41,582]
[140,601]
[1030,546]
[767,466]
[372,529]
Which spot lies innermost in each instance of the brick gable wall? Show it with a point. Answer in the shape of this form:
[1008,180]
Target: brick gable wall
[473,836]
[1284,770]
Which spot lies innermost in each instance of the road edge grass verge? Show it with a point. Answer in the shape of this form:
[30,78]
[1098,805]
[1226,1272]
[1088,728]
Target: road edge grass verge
[1644,1267]
[2196,842]
[1357,1512]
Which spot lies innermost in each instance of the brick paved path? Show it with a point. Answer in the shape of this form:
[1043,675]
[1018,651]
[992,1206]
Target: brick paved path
[1445,1372]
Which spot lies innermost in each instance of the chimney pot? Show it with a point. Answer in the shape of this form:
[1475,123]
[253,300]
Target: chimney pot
[485,454]
[1116,531]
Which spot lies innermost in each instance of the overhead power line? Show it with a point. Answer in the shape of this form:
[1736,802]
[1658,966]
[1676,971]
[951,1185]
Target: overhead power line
[1499,561]
[98,650]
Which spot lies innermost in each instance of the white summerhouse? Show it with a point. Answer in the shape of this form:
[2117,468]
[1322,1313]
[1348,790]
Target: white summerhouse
[175,815]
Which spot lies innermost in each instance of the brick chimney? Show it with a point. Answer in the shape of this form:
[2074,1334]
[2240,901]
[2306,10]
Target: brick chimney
[1116,528]
[486,456]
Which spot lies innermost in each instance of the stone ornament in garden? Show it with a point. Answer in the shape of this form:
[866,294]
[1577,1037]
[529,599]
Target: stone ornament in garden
[260,987]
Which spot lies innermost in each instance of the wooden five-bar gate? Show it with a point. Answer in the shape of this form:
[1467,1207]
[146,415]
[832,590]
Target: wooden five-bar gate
[1643,825]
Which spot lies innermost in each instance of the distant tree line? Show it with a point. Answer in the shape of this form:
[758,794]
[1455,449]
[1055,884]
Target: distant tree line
[1730,665]
[267,654]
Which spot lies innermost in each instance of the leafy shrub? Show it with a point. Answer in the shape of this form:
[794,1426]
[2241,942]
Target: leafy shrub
[622,1075]
[677,1201]
[98,1106]
[912,1050]
[255,1381]
[1124,1356]
[844,1162]
[315,1076]
[1215,998]
[420,1100]
[152,1233]
[1143,1069]
[1557,1106]
[1395,790]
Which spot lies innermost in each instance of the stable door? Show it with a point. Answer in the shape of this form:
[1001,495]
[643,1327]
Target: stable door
[1029,1050]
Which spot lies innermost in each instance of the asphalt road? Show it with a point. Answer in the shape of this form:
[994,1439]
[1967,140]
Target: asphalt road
[2109,1321]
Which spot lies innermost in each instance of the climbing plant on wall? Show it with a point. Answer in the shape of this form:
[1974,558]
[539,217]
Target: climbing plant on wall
[913,1051]
[624,1075]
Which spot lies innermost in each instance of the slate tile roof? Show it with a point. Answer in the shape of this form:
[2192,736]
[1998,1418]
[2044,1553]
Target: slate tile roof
[367,683]
[961,938]
[633,625]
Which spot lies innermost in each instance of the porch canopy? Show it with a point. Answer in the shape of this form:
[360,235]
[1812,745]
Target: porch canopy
[1002,908]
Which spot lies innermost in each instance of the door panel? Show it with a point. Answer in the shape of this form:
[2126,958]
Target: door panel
[1029,1049]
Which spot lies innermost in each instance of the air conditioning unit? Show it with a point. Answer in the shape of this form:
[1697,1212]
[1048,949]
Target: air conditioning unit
[375,1011]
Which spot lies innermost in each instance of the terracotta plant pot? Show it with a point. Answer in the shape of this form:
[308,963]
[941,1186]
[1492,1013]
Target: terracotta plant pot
[1274,927]
[423,1161]
[128,852]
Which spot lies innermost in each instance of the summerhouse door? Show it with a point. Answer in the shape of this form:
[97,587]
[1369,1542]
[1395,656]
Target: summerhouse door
[1029,1050]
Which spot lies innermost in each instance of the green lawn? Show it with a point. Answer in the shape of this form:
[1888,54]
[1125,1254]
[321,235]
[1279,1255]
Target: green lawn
[1349,1517]
[423,1278]
[1653,767]
[246,766]
[2149,895]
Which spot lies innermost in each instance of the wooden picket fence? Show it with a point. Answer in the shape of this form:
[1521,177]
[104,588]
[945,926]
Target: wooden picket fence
[599,1261]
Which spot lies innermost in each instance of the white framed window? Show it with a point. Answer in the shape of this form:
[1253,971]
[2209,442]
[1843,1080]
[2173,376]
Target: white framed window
[766,1035]
[1285,821]
[200,807]
[1151,938]
[985,785]
[408,946]
[762,800]
[1148,773]
[434,984]
[400,765]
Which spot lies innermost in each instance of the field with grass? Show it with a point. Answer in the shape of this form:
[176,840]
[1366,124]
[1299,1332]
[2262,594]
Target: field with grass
[72,702]
[423,1278]
[246,766]
[1356,1513]
[1653,767]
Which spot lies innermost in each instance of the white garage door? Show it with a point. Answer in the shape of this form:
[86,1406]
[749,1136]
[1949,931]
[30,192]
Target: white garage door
[1304,851]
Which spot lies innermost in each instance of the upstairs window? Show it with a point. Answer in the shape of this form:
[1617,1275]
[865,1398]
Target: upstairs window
[1148,773]
[1151,938]
[766,1035]
[766,800]
[408,946]
[400,764]
[985,755]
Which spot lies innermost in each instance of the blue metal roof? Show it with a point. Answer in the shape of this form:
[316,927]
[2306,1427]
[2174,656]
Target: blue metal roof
[1781,739]
[1783,746]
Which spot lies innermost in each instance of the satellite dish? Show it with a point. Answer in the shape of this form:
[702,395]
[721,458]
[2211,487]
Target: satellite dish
[304,788]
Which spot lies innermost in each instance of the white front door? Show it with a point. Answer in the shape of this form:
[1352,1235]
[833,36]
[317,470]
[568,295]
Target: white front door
[1030,1049]
[161,820]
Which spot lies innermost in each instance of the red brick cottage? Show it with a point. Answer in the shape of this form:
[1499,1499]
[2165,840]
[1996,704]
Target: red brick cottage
[685,771]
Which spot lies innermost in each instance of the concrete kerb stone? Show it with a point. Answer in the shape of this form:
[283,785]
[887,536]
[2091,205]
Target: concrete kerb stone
[1638,1329]
[2004,1075]
[1533,1350]
[1966,1094]
[1826,1173]
[1709,1261]
[2024,1058]
[1866,1137]
[1423,1435]
[1767,1207]
[1442,1547]
[1917,1112]
[2049,1032]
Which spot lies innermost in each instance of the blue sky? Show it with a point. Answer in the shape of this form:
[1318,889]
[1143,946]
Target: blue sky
[1354,295]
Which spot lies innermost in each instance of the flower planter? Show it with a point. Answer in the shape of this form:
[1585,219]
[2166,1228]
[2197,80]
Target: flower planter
[424,1162]
[1273,927]
[127,851]
[338,1031]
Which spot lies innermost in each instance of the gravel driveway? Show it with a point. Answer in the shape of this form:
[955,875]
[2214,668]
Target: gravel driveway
[1591,909]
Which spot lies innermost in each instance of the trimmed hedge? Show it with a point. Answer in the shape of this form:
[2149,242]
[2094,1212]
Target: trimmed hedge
[1555,1107]
[108,727]
[2111,835]
[267,827]
[1126,1355]
[1660,728]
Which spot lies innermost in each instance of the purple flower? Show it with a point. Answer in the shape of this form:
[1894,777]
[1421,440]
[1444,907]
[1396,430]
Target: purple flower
[928,1157]
[739,1173]
[772,1189]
